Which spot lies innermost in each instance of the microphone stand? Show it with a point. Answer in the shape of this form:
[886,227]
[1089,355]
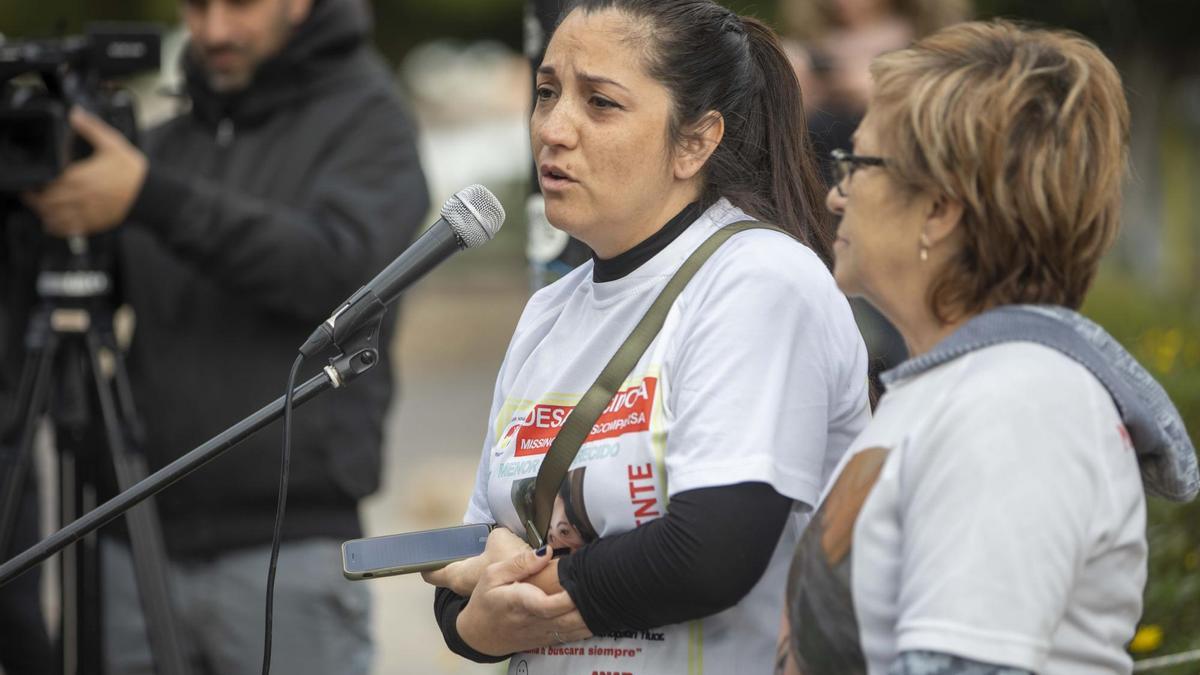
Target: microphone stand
[358,351]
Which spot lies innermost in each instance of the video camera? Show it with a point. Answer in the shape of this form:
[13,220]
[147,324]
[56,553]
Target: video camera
[40,80]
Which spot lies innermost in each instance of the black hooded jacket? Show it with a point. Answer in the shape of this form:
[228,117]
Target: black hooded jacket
[259,214]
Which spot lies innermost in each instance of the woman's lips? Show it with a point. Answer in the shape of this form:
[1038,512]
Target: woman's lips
[553,183]
[553,178]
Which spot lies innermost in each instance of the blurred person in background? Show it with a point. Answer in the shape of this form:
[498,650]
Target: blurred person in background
[991,518]
[657,123]
[290,181]
[831,44]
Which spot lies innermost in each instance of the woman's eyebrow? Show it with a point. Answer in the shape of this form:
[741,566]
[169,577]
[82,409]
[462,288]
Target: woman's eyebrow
[586,77]
[600,79]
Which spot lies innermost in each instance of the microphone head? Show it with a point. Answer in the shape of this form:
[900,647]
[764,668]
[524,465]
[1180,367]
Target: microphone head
[474,214]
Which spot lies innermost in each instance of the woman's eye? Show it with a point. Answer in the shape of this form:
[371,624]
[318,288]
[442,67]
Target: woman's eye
[603,103]
[545,93]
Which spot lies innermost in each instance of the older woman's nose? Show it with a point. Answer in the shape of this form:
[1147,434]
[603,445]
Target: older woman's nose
[834,201]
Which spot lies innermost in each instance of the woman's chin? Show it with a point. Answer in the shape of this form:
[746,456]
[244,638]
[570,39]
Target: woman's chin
[568,220]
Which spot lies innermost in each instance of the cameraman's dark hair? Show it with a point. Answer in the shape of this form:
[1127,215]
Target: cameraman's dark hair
[709,58]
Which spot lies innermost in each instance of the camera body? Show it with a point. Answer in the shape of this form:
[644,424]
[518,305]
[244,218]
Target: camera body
[40,80]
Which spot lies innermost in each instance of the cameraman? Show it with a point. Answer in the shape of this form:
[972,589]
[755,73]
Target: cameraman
[292,179]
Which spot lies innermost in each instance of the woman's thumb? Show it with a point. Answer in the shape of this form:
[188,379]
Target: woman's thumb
[522,566]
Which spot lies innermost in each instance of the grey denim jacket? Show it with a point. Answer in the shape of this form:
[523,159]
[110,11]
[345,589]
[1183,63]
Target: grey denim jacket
[1166,456]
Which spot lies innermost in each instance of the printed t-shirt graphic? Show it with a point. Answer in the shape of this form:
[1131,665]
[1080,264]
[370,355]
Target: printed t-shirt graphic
[823,629]
[603,459]
[628,412]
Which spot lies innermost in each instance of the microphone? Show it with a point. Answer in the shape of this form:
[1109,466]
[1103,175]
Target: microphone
[470,218]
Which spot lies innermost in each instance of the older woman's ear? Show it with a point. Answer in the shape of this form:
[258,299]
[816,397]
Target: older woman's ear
[698,145]
[942,221]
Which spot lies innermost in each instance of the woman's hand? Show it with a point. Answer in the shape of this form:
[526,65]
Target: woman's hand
[462,576]
[506,614]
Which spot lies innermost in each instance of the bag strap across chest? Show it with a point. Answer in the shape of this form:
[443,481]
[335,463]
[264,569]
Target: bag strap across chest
[582,418]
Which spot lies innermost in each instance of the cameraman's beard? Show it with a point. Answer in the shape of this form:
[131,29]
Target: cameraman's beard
[229,83]
[226,81]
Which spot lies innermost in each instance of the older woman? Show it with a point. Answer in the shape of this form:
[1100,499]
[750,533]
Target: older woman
[990,519]
[659,123]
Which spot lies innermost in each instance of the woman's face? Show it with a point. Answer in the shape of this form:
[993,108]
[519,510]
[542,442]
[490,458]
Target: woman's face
[877,250]
[562,533]
[599,134]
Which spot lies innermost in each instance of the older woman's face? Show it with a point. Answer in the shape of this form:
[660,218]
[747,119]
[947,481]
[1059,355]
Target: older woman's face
[877,250]
[599,131]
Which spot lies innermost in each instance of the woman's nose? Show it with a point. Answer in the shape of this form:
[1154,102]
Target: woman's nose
[558,127]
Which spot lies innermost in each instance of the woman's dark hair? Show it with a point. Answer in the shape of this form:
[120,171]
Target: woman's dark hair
[709,58]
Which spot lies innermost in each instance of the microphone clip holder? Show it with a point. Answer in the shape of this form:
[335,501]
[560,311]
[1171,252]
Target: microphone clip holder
[357,344]
[361,309]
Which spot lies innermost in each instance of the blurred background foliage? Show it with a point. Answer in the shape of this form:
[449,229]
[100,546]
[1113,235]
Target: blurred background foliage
[1148,294]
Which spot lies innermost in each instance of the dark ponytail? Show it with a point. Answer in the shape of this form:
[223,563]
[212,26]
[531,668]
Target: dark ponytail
[709,59]
[794,189]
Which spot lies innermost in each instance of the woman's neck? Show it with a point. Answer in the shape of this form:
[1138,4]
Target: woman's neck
[919,327]
[616,267]
[619,239]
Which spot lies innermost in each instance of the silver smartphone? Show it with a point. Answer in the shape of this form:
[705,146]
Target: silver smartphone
[411,551]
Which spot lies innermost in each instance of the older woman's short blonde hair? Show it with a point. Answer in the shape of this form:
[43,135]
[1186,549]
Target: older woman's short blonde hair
[1029,130]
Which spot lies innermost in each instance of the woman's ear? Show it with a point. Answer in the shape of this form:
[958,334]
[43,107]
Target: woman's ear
[698,145]
[942,220]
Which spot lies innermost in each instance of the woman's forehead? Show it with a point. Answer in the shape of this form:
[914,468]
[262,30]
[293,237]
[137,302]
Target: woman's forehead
[601,45]
[865,136]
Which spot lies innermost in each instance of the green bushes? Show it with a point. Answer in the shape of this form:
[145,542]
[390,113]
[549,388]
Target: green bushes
[1163,332]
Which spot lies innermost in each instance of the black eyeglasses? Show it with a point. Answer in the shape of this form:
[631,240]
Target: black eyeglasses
[845,164]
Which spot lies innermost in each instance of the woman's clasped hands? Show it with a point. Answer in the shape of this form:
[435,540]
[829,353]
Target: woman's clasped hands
[516,602]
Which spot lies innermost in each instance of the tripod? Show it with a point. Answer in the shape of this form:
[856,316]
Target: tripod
[73,369]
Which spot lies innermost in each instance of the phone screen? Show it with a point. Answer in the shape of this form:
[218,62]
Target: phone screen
[412,551]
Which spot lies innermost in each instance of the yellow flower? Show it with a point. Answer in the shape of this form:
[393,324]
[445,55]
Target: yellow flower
[1147,639]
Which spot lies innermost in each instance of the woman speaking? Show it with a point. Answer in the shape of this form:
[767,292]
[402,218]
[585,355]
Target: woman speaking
[657,124]
[991,518]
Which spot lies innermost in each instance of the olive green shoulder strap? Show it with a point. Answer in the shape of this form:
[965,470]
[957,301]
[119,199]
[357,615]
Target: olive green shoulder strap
[579,422]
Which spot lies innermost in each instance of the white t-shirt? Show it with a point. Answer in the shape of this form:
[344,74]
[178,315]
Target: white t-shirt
[759,374]
[992,510]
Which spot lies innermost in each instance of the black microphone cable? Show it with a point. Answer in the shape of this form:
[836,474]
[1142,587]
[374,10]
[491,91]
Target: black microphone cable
[280,507]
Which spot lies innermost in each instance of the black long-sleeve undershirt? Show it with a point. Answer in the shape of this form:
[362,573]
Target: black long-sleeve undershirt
[702,557]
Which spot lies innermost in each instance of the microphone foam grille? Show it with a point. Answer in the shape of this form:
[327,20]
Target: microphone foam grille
[474,214]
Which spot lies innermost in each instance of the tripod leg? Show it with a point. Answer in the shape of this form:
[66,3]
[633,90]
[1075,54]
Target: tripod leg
[32,404]
[145,531]
[124,392]
[25,647]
